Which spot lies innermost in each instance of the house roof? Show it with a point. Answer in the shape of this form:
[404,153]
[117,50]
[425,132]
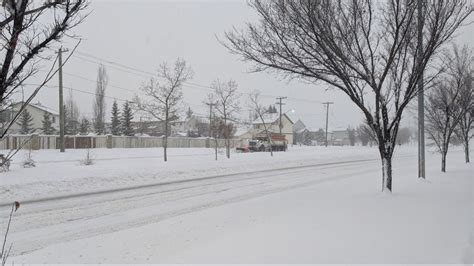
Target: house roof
[44,108]
[270,118]
[38,105]
[299,126]
[338,129]
[241,131]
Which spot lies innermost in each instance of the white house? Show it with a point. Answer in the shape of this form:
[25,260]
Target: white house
[272,122]
[37,111]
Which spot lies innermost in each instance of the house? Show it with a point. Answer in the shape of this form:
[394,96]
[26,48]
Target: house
[272,122]
[36,110]
[340,137]
[300,132]
[194,126]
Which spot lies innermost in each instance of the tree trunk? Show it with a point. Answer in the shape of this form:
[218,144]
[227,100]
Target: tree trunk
[387,172]
[466,150]
[165,140]
[226,137]
[215,139]
[443,161]
[268,135]
[165,146]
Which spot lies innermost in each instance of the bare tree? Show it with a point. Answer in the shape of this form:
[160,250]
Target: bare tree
[366,49]
[73,115]
[366,134]
[449,101]
[28,29]
[465,127]
[227,105]
[442,117]
[260,111]
[165,95]
[99,103]
[5,251]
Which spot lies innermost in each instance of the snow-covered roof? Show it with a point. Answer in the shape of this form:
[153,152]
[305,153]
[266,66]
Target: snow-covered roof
[38,105]
[267,119]
[301,130]
[241,130]
[299,126]
[44,108]
[338,129]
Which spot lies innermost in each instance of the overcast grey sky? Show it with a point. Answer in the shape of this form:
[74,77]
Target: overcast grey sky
[142,34]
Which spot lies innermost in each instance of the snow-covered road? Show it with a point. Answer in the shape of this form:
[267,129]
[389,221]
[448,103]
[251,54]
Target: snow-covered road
[48,221]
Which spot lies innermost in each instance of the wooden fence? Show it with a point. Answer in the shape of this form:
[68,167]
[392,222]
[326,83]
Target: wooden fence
[37,142]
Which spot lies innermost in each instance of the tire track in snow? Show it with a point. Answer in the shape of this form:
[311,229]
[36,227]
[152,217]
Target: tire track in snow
[117,219]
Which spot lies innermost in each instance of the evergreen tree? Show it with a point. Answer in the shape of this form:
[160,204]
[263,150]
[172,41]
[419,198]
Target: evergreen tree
[85,126]
[47,126]
[26,123]
[67,126]
[71,125]
[72,120]
[116,130]
[189,113]
[270,109]
[127,117]
[352,136]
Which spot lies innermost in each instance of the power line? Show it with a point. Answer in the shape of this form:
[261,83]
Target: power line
[99,60]
[115,63]
[81,91]
[111,66]
[94,81]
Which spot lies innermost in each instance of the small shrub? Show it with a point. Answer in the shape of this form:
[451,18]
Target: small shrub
[4,163]
[29,162]
[88,160]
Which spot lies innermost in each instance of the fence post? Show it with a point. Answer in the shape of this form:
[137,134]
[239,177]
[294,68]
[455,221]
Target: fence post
[109,142]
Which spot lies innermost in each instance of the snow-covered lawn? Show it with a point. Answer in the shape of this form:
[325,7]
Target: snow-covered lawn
[62,173]
[326,212]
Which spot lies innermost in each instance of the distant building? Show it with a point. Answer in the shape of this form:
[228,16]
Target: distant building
[37,112]
[194,126]
[340,137]
[272,122]
[300,132]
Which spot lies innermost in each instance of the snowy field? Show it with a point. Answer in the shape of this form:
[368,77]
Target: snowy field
[308,205]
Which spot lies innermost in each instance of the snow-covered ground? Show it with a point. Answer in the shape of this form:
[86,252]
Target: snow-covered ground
[59,174]
[308,205]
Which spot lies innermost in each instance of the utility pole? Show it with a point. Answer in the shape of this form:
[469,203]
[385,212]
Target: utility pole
[280,102]
[327,121]
[61,101]
[421,97]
